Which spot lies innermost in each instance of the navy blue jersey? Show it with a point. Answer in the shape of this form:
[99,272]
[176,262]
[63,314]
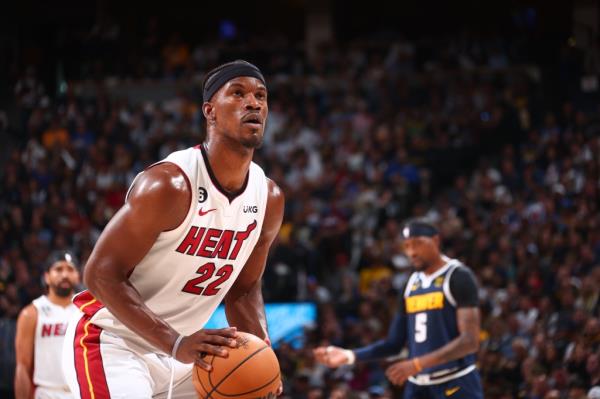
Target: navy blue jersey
[430,305]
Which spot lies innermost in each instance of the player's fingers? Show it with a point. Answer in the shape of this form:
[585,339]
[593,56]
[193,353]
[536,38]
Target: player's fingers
[390,373]
[220,340]
[209,349]
[225,332]
[202,363]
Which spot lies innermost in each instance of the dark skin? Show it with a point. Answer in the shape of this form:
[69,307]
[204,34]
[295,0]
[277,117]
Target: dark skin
[160,200]
[425,255]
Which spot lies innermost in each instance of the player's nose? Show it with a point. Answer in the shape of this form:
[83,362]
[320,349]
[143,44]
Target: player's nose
[252,102]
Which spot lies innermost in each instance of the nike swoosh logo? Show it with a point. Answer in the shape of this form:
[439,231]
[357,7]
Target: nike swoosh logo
[451,391]
[202,213]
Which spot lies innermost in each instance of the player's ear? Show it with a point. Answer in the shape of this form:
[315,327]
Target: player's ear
[46,279]
[209,112]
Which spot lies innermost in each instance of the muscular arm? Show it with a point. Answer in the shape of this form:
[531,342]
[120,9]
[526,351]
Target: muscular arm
[159,201]
[24,346]
[466,343]
[244,306]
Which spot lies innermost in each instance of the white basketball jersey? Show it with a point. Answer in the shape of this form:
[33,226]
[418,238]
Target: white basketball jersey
[50,331]
[188,270]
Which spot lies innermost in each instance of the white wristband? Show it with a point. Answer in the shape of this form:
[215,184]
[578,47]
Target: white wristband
[350,355]
[176,346]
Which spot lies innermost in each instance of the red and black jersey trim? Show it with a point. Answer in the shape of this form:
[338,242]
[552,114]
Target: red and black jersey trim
[228,194]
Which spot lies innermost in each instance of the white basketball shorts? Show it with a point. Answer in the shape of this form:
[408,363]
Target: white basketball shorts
[100,365]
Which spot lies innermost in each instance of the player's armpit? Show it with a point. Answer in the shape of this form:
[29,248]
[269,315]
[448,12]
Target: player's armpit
[24,346]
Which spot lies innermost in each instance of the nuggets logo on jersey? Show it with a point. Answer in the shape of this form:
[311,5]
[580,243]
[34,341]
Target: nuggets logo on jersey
[424,302]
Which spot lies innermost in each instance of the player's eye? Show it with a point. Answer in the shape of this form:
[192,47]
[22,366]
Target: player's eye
[238,93]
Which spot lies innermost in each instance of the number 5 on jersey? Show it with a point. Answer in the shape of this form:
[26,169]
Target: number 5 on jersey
[420,327]
[206,272]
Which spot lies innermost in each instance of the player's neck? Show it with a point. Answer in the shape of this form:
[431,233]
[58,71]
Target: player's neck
[435,266]
[229,165]
[59,300]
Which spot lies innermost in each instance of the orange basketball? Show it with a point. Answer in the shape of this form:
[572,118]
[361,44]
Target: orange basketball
[250,371]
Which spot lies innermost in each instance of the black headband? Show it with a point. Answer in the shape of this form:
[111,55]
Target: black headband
[418,229]
[60,256]
[226,73]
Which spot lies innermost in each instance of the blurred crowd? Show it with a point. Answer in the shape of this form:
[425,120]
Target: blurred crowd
[360,137]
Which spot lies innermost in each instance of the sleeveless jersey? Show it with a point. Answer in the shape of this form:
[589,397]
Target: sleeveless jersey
[431,316]
[50,330]
[188,270]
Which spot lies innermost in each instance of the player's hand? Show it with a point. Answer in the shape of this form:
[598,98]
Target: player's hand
[399,372]
[195,347]
[331,356]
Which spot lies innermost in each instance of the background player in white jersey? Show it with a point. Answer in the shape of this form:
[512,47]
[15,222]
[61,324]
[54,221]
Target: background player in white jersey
[196,229]
[40,334]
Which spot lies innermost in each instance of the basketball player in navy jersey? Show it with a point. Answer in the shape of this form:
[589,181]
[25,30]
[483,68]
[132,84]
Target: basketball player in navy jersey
[438,319]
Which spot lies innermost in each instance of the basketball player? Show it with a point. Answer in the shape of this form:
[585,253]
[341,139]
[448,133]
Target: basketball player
[438,318]
[195,230]
[41,331]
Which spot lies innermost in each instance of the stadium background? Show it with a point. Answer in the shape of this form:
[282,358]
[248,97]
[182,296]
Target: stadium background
[481,116]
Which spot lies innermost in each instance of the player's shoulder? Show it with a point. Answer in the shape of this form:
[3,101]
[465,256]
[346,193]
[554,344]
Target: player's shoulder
[274,191]
[462,274]
[459,267]
[274,212]
[28,314]
[163,180]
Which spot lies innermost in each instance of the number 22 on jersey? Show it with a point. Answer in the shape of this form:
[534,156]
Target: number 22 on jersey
[206,272]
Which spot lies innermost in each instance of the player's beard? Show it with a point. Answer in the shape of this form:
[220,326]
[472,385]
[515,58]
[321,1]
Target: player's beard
[63,291]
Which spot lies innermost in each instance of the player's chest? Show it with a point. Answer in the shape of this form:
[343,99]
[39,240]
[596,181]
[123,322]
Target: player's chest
[219,230]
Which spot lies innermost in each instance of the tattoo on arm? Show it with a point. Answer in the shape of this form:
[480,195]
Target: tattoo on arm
[466,343]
